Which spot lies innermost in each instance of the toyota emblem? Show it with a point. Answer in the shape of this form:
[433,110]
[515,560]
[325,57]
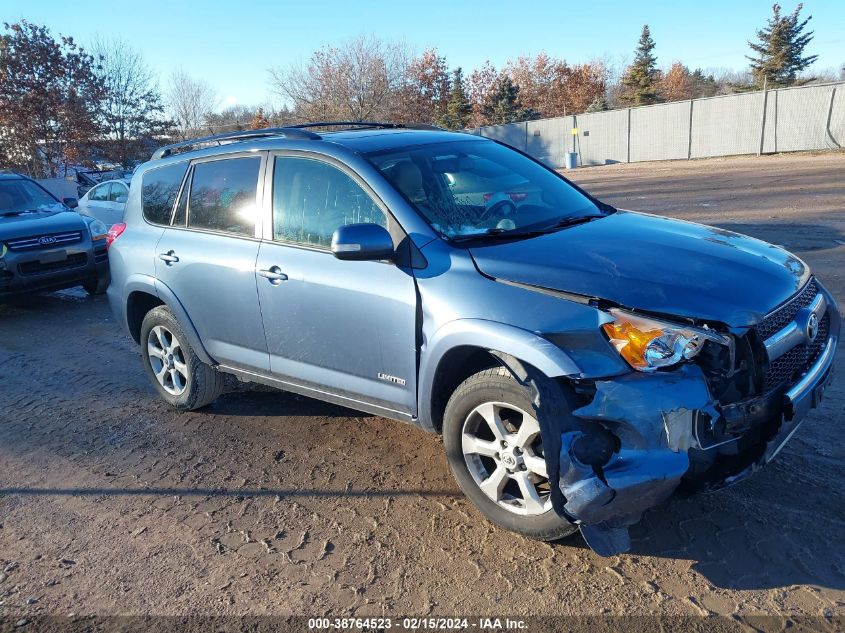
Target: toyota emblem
[812,327]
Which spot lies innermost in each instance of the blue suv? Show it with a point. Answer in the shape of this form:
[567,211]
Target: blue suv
[580,362]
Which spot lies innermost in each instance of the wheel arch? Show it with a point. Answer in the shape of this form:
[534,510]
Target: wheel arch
[143,297]
[463,347]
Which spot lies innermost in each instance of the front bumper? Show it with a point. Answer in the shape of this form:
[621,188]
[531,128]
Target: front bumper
[656,418]
[49,269]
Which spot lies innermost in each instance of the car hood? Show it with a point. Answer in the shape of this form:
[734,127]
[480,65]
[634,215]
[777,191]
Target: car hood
[655,264]
[41,223]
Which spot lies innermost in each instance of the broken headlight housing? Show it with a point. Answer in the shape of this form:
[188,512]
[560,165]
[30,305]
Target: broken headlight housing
[649,344]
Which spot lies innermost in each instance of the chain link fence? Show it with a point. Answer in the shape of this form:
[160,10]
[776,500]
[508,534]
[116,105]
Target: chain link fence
[780,120]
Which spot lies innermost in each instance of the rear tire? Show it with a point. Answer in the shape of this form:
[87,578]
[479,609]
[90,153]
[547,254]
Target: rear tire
[492,439]
[177,373]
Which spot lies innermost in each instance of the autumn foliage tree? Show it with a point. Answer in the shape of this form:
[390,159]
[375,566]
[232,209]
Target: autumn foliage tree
[424,96]
[552,87]
[50,100]
[259,121]
[677,84]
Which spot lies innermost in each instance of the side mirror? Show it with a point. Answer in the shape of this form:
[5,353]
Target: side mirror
[362,242]
[122,199]
[70,203]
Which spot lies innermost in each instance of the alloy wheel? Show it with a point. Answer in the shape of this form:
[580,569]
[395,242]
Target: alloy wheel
[167,360]
[504,454]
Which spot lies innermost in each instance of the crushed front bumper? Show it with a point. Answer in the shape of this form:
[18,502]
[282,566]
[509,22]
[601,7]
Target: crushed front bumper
[656,420]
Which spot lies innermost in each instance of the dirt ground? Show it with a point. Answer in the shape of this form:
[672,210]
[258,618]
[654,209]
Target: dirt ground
[269,503]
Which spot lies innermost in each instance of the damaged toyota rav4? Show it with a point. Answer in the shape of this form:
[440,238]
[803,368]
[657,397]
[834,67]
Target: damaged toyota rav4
[581,362]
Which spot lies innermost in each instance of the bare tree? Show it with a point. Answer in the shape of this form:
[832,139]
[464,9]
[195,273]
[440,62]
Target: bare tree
[132,111]
[189,102]
[358,80]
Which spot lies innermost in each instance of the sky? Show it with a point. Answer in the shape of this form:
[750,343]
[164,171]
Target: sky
[232,44]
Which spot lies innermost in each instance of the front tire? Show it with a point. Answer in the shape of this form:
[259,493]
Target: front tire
[177,373]
[492,438]
[96,286]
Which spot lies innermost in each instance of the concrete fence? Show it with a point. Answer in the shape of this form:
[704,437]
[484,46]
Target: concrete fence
[781,120]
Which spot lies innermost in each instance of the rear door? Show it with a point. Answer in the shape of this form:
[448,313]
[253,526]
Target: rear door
[96,204]
[117,196]
[345,327]
[207,257]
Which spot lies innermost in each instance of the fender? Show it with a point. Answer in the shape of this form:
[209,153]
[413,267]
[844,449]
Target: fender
[118,296]
[523,345]
[167,295]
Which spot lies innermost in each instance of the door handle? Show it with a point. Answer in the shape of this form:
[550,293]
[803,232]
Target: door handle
[274,275]
[168,258]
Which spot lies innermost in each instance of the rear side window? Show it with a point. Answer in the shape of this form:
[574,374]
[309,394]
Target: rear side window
[100,193]
[223,196]
[159,188]
[118,192]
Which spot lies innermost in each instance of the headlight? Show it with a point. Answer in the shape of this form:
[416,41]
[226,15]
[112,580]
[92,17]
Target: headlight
[648,344]
[98,230]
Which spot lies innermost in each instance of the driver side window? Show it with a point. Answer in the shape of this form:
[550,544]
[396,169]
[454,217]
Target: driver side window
[312,198]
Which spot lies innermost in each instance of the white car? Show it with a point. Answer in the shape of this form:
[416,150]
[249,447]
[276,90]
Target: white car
[106,201]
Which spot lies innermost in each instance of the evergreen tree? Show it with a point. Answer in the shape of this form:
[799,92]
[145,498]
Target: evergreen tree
[779,52]
[505,106]
[458,109]
[642,77]
[705,85]
[597,105]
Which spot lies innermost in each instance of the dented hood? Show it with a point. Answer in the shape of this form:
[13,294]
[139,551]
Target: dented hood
[656,264]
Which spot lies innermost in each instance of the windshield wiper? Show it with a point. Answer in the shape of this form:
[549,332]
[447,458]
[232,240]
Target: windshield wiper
[497,233]
[571,221]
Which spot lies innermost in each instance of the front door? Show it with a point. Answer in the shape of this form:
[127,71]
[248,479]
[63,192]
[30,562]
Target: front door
[345,327]
[207,258]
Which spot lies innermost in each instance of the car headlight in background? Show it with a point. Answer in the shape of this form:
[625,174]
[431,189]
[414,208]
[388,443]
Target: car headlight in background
[98,230]
[649,344]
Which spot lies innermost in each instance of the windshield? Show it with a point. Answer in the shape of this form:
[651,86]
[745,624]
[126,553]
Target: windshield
[22,196]
[478,187]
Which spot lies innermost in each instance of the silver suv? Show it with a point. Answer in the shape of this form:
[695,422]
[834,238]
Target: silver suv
[581,362]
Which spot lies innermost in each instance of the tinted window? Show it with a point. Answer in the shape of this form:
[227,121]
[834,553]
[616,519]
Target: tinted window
[311,199]
[100,193]
[223,196]
[180,217]
[159,188]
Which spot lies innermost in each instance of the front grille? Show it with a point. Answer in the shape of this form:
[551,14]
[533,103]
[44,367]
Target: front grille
[44,241]
[77,260]
[786,369]
[781,317]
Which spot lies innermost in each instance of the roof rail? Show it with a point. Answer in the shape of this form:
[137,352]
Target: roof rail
[367,125]
[220,139]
